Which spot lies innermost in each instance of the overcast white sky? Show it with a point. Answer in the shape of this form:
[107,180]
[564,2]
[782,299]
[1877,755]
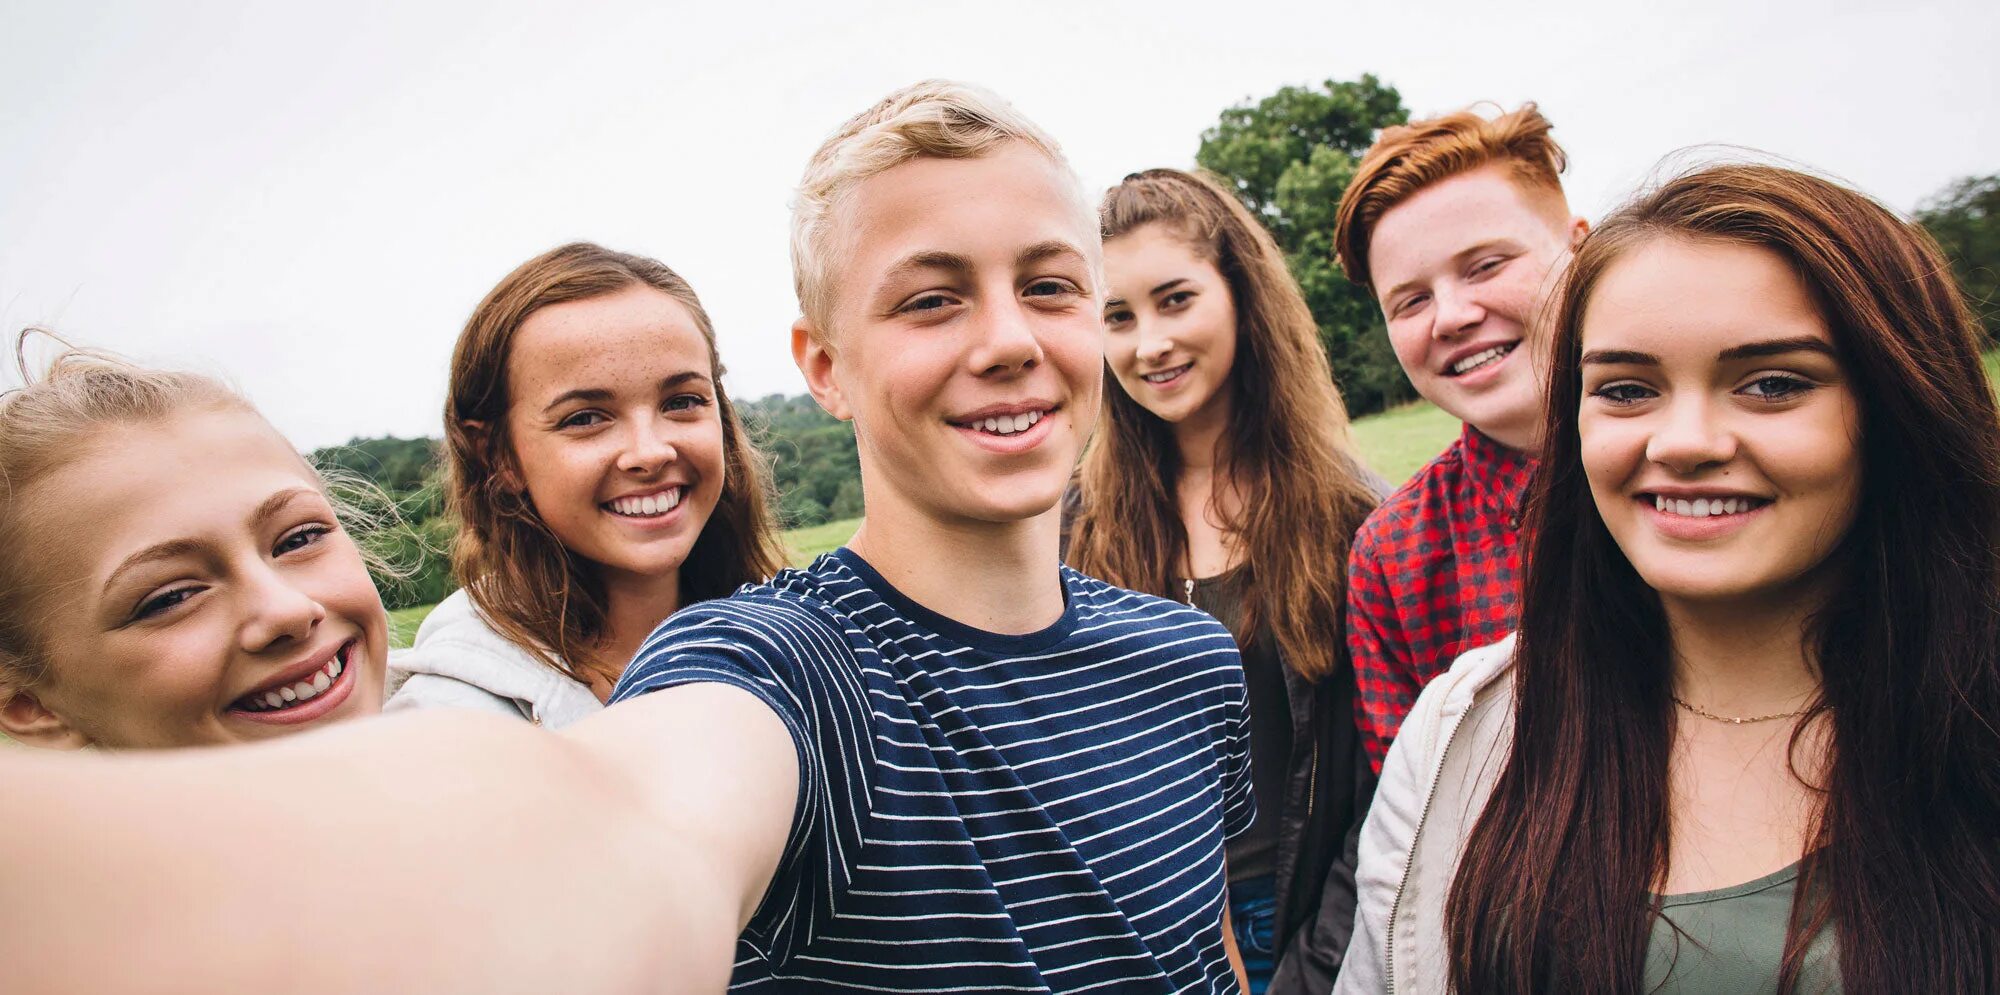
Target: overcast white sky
[309,199]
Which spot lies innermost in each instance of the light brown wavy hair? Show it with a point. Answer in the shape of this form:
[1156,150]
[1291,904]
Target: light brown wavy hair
[539,595]
[1408,158]
[1287,445]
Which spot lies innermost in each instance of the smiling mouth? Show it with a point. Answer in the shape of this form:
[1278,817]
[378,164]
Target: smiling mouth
[648,505]
[1005,425]
[298,693]
[1481,360]
[1166,376]
[1702,507]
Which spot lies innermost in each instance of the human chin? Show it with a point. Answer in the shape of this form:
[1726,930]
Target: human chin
[1015,477]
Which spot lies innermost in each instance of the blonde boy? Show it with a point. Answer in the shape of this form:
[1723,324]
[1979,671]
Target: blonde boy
[932,761]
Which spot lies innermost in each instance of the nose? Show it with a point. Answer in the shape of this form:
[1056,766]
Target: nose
[278,611]
[1006,339]
[1456,310]
[1690,437]
[1155,342]
[646,447]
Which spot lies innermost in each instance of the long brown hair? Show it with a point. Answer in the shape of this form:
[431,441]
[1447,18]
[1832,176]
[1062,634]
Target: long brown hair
[1287,448]
[1555,889]
[536,593]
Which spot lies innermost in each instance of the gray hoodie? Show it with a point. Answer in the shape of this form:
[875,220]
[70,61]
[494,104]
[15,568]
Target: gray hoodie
[459,661]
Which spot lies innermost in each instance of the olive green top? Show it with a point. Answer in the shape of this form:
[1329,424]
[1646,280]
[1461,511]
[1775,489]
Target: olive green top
[1733,940]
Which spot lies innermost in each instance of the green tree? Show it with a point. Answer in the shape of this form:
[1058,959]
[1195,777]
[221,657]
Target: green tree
[1965,219]
[1289,157]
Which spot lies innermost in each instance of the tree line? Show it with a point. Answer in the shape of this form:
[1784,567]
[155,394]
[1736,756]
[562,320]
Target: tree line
[1288,156]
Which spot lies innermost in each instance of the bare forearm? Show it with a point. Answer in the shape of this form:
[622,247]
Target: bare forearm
[437,852]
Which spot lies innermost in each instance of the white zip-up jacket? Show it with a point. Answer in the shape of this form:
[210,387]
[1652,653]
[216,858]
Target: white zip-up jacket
[1435,782]
[459,661]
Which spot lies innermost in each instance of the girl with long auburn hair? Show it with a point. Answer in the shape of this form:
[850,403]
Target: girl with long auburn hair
[1748,737]
[601,481]
[1225,448]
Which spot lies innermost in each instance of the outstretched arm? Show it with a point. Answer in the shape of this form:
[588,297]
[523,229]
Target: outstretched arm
[440,851]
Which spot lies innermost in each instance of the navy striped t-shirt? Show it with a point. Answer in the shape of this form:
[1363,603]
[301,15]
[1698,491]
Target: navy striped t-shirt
[983,812]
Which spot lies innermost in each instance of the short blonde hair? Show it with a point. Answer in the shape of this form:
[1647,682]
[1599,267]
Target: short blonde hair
[937,119]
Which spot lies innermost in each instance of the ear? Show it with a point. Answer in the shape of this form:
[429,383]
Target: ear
[816,360]
[503,467]
[1578,228]
[24,718]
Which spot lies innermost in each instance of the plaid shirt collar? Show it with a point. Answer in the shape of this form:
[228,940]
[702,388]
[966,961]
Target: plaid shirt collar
[1501,473]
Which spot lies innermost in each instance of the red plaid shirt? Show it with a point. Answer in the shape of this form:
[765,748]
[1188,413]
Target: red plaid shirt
[1435,571]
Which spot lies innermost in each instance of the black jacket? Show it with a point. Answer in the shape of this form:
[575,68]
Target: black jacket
[1327,790]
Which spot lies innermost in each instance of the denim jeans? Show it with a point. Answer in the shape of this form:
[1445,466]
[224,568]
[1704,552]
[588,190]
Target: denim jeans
[1253,910]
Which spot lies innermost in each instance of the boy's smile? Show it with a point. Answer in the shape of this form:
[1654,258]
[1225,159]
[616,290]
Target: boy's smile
[967,345]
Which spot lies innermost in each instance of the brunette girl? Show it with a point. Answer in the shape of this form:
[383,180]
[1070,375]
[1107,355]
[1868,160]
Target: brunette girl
[172,572]
[1748,739]
[601,481]
[1223,476]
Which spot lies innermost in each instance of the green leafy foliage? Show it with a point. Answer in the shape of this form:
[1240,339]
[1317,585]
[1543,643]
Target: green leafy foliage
[396,502]
[1289,157]
[813,459]
[1965,219]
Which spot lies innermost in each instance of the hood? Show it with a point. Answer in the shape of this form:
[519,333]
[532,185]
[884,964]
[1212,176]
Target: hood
[455,642]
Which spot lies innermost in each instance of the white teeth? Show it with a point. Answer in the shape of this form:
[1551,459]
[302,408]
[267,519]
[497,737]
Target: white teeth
[305,691]
[321,682]
[333,669]
[1008,424]
[651,504]
[1702,507]
[1165,375]
[288,694]
[272,699]
[1477,360]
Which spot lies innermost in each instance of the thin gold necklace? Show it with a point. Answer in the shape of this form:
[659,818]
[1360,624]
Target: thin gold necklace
[1733,720]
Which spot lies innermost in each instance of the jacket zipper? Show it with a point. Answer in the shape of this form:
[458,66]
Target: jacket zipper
[1410,864]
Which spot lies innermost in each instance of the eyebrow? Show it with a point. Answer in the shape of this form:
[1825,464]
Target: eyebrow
[1045,250]
[1751,350]
[1470,250]
[962,264]
[1155,292]
[603,394]
[173,548]
[930,259]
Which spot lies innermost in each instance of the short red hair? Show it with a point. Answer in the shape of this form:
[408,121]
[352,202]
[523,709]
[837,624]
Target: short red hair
[1410,157]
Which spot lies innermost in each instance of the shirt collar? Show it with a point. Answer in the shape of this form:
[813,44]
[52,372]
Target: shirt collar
[1501,474]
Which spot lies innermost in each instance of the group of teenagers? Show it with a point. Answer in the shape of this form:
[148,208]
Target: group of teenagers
[1679,671]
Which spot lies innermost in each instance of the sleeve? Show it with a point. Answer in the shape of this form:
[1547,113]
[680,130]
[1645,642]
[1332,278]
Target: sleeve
[436,691]
[1385,688]
[795,658]
[1311,963]
[1383,852]
[1239,801]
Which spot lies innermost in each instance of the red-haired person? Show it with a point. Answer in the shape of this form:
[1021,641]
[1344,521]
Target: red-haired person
[1457,225]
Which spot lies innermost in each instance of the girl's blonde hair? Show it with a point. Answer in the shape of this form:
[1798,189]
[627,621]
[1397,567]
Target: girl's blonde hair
[50,423]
